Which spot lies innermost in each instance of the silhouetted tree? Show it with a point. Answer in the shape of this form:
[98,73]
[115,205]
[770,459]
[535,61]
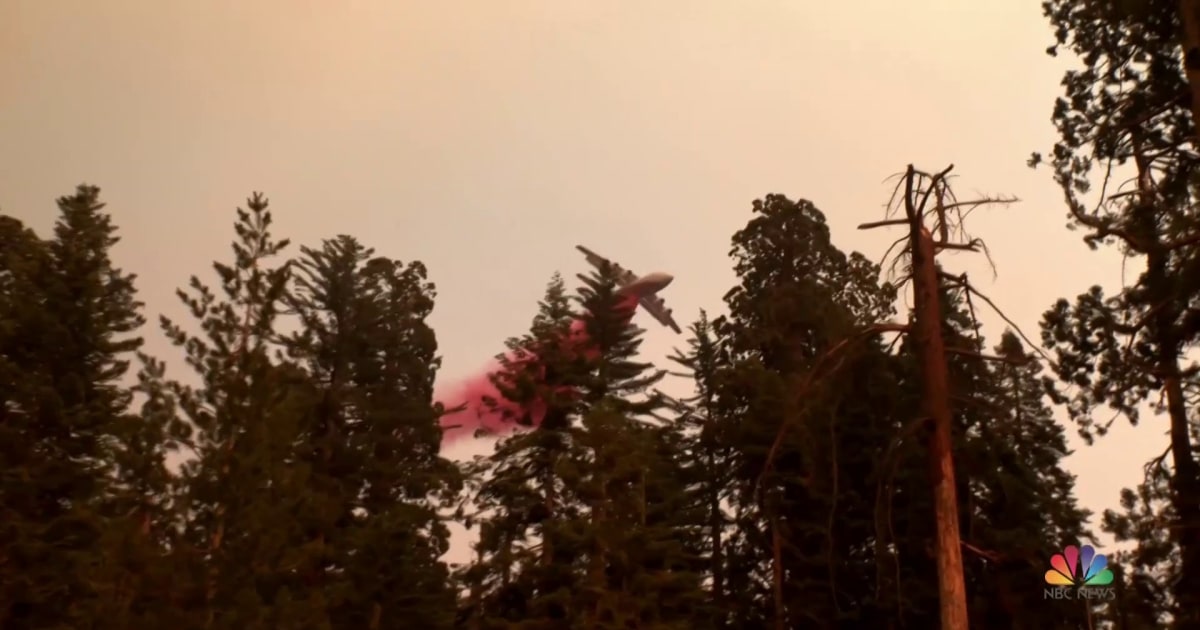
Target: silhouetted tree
[77,465]
[372,483]
[1131,110]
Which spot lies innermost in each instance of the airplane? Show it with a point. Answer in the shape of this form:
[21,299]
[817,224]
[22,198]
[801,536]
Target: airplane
[645,287]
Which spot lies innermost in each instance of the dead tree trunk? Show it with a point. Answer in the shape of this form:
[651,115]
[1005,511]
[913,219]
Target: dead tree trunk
[931,352]
[926,329]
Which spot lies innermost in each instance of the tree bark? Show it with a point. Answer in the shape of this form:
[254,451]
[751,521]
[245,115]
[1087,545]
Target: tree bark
[931,351]
[1167,338]
[1185,478]
[1185,490]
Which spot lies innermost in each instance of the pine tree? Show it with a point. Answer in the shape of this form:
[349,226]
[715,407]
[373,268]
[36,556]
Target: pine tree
[238,535]
[373,482]
[1131,111]
[24,331]
[1145,573]
[583,510]
[524,574]
[704,456]
[70,322]
[29,582]
[839,529]
[638,569]
[146,533]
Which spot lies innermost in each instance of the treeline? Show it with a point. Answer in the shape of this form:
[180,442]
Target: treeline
[312,493]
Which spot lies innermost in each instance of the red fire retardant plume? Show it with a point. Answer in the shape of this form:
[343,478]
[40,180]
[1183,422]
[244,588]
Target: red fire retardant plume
[475,390]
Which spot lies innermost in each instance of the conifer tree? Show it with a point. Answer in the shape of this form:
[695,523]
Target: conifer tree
[1016,503]
[1145,573]
[70,322]
[238,536]
[24,260]
[804,520]
[638,569]
[607,551]
[1130,113]
[704,456]
[147,560]
[373,481]
[524,573]
[847,537]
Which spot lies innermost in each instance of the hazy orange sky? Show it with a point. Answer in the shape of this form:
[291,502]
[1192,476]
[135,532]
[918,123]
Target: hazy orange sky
[488,138]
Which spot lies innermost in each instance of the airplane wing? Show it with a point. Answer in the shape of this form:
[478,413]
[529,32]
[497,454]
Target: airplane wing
[657,308]
[624,276]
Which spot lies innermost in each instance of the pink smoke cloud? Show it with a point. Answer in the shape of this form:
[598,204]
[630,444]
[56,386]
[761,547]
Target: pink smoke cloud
[474,392]
[497,419]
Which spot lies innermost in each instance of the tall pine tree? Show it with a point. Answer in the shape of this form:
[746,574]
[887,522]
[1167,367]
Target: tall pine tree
[837,531]
[639,570]
[238,536]
[70,323]
[704,458]
[1129,112]
[581,528]
[523,574]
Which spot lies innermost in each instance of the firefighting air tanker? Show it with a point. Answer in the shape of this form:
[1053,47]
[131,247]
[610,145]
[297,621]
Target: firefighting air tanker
[644,289]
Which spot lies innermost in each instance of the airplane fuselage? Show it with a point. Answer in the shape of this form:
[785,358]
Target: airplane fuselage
[648,284]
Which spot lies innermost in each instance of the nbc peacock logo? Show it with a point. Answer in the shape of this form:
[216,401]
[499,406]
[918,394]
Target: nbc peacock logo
[1079,573]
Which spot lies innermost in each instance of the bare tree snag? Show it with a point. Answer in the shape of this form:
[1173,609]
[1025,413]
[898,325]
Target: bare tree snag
[926,329]
[931,352]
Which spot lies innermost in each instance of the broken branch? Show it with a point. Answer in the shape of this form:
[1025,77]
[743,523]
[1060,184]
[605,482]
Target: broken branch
[885,223]
[968,247]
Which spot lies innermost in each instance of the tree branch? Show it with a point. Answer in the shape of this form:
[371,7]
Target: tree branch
[1154,464]
[962,352]
[1010,322]
[885,223]
[966,247]
[986,555]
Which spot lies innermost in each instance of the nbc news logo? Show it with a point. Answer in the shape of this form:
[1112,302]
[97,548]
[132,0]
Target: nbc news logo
[1079,573]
